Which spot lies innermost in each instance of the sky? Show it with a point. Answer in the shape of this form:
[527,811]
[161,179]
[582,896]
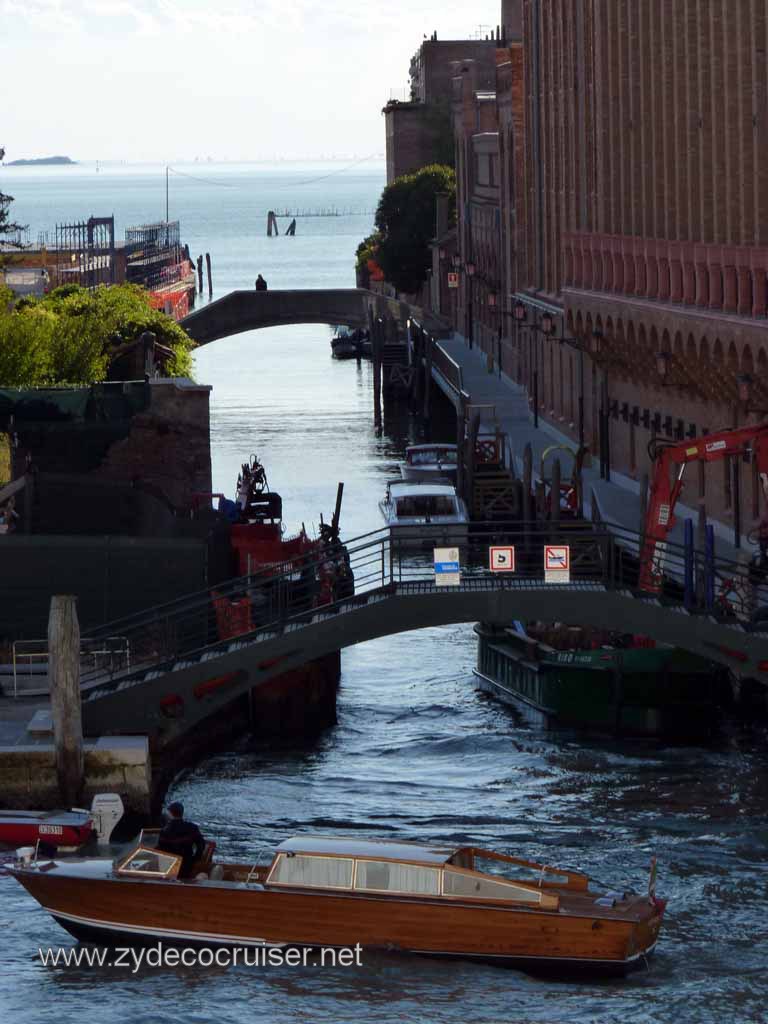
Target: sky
[165,80]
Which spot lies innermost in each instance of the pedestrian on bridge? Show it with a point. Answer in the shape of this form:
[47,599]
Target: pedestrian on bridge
[261,284]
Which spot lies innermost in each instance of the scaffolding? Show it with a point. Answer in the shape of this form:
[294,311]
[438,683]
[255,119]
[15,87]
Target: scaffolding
[154,256]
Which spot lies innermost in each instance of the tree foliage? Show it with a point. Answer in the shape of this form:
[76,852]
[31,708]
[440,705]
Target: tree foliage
[9,230]
[70,335]
[405,220]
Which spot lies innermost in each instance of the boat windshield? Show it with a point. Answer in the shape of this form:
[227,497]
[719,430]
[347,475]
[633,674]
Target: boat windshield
[432,456]
[426,505]
[144,862]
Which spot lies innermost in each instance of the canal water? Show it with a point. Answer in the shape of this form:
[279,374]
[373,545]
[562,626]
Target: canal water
[417,752]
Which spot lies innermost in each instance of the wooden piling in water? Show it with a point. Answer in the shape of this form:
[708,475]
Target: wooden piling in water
[527,485]
[208,270]
[200,275]
[375,332]
[64,677]
[554,494]
[428,346]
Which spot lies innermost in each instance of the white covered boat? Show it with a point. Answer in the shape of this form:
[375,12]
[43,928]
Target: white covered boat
[424,514]
[430,462]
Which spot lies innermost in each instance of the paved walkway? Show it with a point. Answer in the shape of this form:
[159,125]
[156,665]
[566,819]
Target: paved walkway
[617,502]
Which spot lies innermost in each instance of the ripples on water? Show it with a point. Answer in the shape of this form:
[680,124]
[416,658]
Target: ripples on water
[418,754]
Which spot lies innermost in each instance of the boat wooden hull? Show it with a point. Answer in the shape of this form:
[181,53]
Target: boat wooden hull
[178,913]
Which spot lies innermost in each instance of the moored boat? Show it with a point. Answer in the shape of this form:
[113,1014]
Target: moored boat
[558,675]
[422,514]
[66,830]
[442,900]
[430,463]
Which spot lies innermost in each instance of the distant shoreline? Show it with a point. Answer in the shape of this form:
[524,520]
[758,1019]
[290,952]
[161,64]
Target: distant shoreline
[43,161]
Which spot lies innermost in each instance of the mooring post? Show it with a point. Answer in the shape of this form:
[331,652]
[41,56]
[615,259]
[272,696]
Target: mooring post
[701,543]
[208,270]
[200,274]
[469,478]
[428,345]
[376,339]
[527,483]
[554,494]
[64,678]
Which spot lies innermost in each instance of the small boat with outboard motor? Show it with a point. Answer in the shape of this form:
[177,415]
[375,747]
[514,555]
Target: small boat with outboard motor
[439,899]
[65,830]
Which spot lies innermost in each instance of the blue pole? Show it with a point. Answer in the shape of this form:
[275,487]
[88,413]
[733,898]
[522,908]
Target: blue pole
[709,567]
[688,598]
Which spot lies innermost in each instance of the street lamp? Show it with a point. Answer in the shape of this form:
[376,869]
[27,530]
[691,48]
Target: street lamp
[470,268]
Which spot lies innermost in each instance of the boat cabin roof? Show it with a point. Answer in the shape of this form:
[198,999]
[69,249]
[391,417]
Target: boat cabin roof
[431,448]
[369,848]
[409,489]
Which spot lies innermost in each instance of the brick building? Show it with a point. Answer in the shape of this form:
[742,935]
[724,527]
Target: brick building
[418,132]
[633,206]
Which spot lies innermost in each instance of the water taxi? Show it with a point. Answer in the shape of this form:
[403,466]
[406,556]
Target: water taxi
[436,899]
[430,463]
[421,514]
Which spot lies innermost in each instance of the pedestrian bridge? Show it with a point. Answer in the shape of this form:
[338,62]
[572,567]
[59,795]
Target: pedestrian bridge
[181,662]
[249,310]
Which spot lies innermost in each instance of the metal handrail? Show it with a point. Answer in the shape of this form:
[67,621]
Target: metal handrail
[270,602]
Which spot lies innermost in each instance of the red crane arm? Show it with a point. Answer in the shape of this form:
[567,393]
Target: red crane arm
[660,517]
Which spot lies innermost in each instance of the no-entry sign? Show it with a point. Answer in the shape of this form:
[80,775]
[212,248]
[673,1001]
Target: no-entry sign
[557,563]
[502,559]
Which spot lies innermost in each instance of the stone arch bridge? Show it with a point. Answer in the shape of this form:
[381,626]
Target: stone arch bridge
[248,310]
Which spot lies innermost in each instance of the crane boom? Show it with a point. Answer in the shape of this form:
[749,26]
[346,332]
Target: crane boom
[660,517]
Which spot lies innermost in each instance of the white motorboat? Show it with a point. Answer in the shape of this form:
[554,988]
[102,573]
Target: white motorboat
[430,463]
[424,514]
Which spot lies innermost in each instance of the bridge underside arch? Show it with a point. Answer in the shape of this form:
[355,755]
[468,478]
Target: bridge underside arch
[137,703]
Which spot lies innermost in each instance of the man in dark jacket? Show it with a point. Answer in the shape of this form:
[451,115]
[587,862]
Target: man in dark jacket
[261,284]
[182,838]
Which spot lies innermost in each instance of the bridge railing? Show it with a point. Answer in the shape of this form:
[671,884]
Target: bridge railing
[335,578]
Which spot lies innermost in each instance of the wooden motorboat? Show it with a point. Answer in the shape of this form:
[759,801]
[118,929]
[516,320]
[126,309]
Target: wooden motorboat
[430,463]
[422,514]
[434,899]
[66,830]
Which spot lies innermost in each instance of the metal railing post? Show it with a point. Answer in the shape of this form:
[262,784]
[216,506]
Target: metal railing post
[688,593]
[709,568]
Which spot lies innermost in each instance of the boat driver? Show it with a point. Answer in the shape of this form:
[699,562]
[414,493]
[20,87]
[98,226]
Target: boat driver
[182,838]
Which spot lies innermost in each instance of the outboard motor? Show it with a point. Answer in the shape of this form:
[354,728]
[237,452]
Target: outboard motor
[106,810]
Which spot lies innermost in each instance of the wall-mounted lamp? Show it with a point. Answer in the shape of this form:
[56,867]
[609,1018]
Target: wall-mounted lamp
[441,253]
[456,261]
[547,323]
[470,268]
[492,298]
[519,312]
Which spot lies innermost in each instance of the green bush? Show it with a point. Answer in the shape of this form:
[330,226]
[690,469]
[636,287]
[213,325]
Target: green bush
[405,220]
[70,335]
